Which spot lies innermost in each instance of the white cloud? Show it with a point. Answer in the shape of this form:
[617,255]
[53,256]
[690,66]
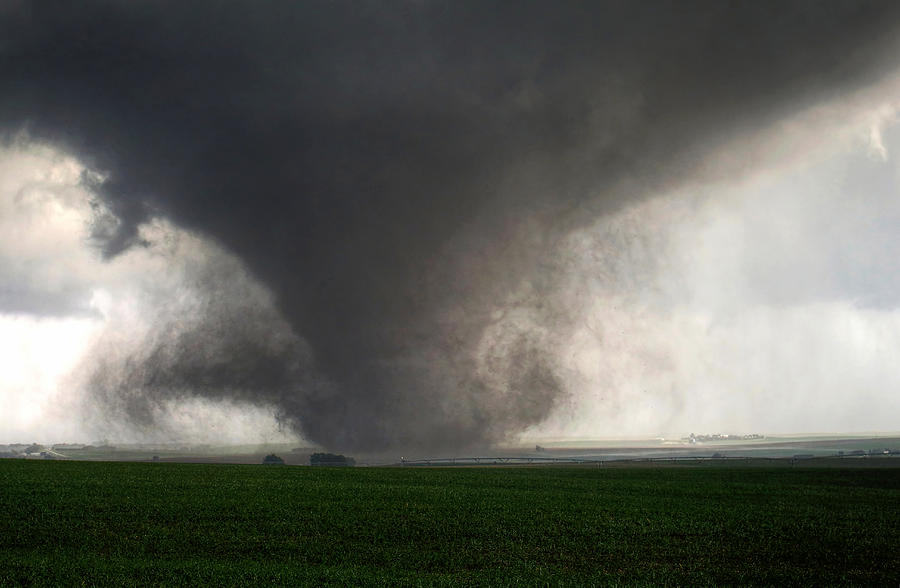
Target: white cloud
[764,299]
[59,299]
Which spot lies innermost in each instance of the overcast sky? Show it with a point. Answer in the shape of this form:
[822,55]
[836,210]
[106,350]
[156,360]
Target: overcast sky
[440,225]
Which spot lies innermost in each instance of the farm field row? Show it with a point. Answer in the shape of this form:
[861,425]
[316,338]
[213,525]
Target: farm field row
[64,522]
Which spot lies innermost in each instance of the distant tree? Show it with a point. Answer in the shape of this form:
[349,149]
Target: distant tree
[330,459]
[272,459]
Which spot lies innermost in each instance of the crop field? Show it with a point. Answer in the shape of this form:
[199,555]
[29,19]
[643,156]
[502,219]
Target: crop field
[137,523]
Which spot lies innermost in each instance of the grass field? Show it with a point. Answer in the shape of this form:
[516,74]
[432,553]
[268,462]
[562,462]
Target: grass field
[137,523]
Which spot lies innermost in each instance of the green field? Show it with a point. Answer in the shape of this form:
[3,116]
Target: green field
[138,523]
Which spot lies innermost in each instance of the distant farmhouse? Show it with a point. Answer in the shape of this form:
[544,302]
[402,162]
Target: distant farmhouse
[720,437]
[272,459]
[330,459]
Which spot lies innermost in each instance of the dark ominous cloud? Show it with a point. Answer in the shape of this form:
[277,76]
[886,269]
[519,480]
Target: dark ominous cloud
[394,172]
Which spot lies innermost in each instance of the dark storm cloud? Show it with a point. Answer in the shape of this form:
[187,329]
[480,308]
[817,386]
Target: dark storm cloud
[394,171]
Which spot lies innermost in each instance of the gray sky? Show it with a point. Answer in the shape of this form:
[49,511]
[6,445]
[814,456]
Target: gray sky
[442,225]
